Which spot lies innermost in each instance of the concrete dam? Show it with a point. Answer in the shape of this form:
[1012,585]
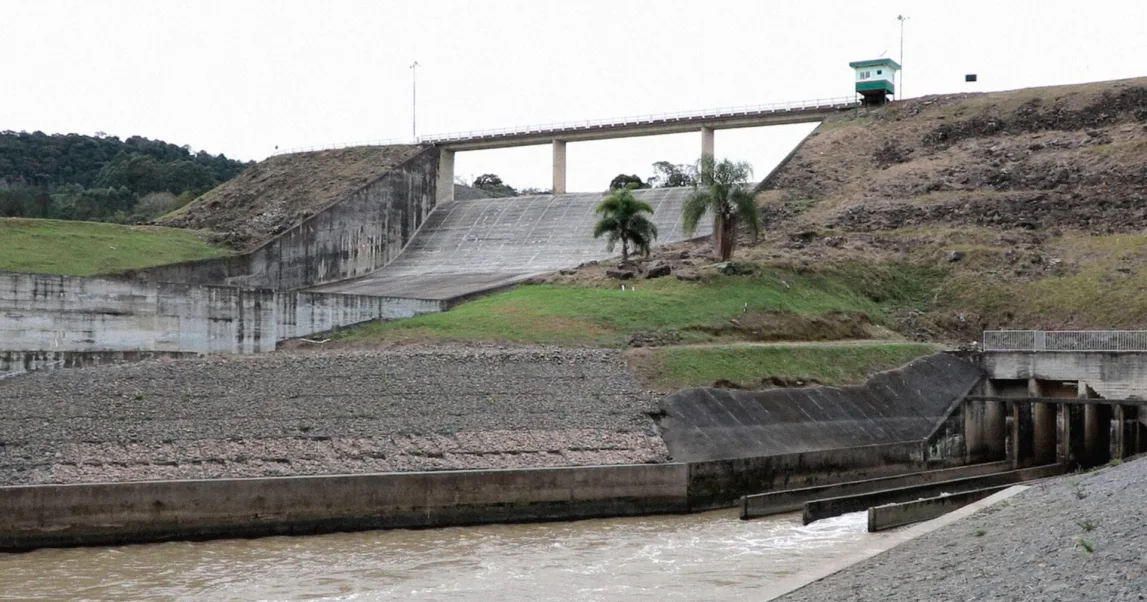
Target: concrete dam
[470,246]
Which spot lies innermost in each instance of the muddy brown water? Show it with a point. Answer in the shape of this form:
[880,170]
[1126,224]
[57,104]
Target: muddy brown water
[710,556]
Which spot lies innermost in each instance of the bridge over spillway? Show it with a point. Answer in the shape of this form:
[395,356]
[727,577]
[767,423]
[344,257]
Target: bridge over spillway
[559,134]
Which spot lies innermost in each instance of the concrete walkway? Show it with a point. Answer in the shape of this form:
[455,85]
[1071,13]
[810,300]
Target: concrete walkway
[476,245]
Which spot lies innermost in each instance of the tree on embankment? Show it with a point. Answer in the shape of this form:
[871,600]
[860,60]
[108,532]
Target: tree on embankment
[721,189]
[623,219]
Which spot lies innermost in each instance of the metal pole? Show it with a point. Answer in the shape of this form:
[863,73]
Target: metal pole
[902,19]
[414,100]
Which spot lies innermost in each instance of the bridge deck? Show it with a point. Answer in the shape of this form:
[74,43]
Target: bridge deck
[471,246]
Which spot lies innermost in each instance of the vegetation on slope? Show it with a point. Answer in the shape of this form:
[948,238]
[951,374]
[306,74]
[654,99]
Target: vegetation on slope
[753,366]
[89,248]
[767,306]
[71,176]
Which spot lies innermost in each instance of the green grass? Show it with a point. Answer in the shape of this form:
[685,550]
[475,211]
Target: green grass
[672,368]
[76,248]
[574,315]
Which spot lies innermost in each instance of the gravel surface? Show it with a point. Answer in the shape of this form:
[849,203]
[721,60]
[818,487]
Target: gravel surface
[325,412]
[1030,547]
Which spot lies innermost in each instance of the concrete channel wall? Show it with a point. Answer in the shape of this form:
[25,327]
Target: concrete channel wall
[110,514]
[136,512]
[42,313]
[349,238]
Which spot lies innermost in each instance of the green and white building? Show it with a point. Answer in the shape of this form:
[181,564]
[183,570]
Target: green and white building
[875,79]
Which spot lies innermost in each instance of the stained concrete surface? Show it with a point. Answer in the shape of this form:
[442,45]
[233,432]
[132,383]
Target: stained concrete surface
[899,405]
[468,246]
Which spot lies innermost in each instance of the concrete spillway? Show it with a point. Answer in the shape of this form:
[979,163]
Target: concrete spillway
[471,246]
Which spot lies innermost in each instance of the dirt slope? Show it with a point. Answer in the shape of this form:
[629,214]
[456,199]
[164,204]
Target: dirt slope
[270,197]
[1067,156]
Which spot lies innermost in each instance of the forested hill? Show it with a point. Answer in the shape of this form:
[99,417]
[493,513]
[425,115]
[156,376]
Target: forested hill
[102,178]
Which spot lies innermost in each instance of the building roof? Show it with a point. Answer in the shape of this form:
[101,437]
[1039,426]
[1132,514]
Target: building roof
[874,63]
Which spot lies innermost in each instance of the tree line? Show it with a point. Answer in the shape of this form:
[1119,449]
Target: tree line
[103,178]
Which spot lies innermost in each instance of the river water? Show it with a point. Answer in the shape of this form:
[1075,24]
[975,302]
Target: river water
[710,556]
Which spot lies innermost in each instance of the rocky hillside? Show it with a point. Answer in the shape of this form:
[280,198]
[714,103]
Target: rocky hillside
[270,197]
[1019,209]
[1041,158]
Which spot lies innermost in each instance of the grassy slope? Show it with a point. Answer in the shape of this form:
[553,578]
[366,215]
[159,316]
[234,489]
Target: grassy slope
[672,368]
[771,306]
[86,248]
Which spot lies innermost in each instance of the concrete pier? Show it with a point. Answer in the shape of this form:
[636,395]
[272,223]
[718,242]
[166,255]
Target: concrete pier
[559,167]
[445,192]
[707,140]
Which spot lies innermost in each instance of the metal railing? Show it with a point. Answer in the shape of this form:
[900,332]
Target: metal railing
[799,105]
[839,102]
[1065,340]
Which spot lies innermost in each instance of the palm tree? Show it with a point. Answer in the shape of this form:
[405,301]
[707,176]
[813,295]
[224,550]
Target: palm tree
[720,189]
[622,218]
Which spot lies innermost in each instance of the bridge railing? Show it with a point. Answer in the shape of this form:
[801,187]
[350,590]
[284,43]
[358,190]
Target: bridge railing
[800,105]
[1065,340]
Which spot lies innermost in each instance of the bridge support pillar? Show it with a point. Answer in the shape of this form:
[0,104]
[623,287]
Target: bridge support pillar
[985,430]
[706,141]
[559,167]
[445,185]
[1044,431]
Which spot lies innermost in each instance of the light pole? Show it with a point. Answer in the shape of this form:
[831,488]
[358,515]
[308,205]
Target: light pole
[902,19]
[414,100]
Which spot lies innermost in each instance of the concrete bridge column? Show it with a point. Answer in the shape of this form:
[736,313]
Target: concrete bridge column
[706,141]
[1044,431]
[985,430]
[1096,435]
[559,167]
[445,185]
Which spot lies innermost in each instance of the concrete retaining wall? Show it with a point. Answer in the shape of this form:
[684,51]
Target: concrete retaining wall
[349,238]
[721,483]
[15,362]
[58,314]
[111,514]
[1111,374]
[899,405]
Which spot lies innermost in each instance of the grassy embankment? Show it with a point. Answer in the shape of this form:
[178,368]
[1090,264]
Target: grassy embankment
[721,320]
[671,368]
[75,248]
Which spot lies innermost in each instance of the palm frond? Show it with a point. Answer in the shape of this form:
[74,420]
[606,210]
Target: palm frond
[695,207]
[746,207]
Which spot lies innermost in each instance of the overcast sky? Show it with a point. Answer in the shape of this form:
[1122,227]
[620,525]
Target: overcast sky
[241,77]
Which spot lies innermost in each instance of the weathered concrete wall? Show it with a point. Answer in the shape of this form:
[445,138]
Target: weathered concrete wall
[350,238]
[46,313]
[1111,374]
[109,514]
[15,362]
[721,483]
[882,518]
[899,405]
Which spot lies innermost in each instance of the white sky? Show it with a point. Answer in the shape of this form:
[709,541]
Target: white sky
[244,76]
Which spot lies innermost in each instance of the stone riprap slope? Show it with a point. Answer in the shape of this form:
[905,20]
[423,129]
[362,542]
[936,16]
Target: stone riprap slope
[480,244]
[325,412]
[271,196]
[1034,547]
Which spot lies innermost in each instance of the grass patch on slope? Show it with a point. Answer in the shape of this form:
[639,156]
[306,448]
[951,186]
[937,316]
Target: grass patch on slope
[776,305]
[673,368]
[75,248]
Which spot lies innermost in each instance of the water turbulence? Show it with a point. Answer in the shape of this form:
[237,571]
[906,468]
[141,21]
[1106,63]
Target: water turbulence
[705,556]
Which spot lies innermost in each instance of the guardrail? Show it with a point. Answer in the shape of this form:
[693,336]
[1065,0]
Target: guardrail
[798,105]
[1065,340]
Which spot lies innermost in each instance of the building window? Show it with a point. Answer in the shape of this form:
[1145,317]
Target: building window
[879,71]
[865,74]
